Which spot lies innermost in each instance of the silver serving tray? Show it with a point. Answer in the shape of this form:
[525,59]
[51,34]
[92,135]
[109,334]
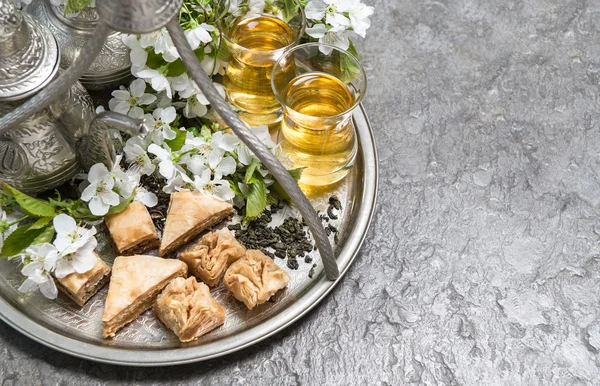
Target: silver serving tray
[65,327]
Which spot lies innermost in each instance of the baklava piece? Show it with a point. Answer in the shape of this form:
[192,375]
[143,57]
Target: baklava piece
[132,230]
[188,309]
[136,282]
[189,214]
[209,257]
[254,278]
[80,287]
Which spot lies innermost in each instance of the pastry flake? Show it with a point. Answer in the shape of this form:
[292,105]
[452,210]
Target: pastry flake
[136,282]
[254,278]
[80,287]
[132,230]
[189,214]
[208,258]
[188,309]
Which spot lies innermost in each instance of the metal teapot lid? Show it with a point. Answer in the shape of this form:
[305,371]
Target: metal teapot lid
[28,54]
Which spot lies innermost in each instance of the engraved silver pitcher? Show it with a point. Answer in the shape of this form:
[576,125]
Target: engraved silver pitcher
[110,69]
[53,145]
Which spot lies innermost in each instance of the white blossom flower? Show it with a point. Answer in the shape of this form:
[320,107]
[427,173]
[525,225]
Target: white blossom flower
[138,55]
[125,183]
[244,154]
[194,108]
[221,166]
[137,157]
[168,160]
[75,247]
[224,141]
[99,193]
[162,43]
[128,102]
[179,181]
[180,83]
[161,120]
[332,37]
[37,276]
[359,17]
[200,34]
[158,81]
[331,10]
[217,187]
[145,197]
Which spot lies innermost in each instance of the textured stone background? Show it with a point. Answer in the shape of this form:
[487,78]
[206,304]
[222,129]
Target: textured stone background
[482,266]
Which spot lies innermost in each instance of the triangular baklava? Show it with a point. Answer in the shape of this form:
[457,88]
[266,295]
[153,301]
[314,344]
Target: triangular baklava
[136,282]
[189,214]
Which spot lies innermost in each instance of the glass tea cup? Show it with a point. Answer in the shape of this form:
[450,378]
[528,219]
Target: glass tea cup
[319,86]
[257,34]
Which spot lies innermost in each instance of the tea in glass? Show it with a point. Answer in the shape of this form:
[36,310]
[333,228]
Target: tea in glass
[256,41]
[318,94]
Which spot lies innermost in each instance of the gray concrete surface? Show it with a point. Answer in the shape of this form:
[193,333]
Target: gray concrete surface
[482,266]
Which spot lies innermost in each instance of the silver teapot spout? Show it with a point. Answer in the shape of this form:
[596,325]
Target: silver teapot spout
[97,147]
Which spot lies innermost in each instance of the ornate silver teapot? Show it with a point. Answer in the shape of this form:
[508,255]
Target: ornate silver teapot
[111,68]
[56,143]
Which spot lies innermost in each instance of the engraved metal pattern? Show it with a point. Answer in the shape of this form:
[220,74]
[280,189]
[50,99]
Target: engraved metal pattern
[77,331]
[112,65]
[42,153]
[10,20]
[138,16]
[32,66]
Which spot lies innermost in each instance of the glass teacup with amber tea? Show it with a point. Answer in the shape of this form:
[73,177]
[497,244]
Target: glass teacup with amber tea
[257,34]
[318,86]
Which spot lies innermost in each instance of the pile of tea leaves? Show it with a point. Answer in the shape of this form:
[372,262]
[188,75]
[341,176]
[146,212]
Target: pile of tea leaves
[290,240]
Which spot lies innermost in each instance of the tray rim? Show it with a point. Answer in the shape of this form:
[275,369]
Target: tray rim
[294,312]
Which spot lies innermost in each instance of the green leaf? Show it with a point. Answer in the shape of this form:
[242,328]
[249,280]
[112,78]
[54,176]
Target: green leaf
[176,68]
[290,9]
[235,188]
[154,60]
[296,173]
[199,53]
[348,67]
[206,133]
[223,53]
[250,170]
[74,6]
[46,236]
[40,223]
[177,143]
[19,240]
[30,205]
[277,190]
[257,199]
[121,207]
